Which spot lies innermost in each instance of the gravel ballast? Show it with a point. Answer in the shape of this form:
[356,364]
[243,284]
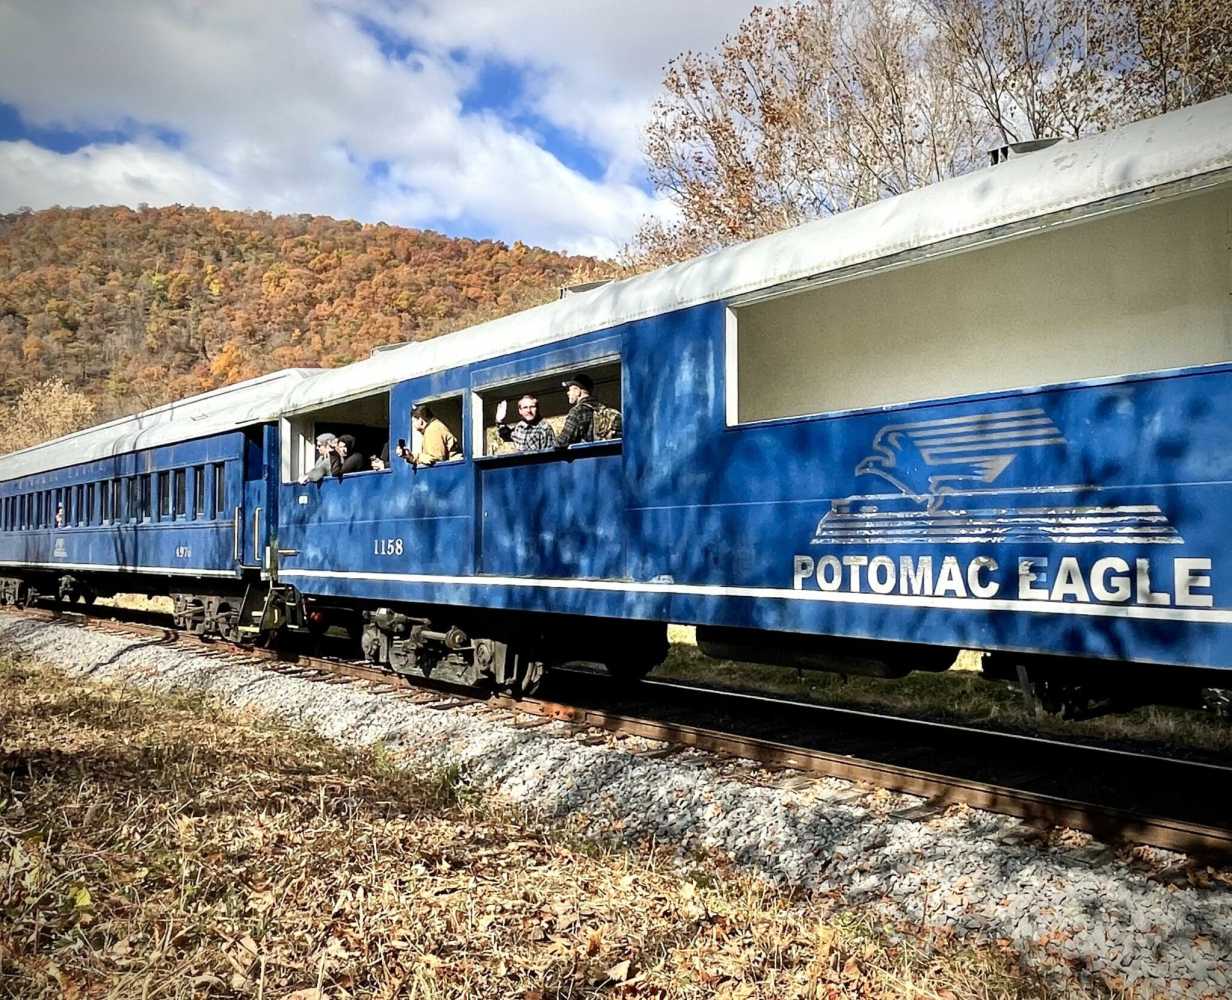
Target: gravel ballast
[1066,905]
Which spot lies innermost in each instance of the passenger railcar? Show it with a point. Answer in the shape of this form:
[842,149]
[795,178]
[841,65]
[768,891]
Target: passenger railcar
[989,414]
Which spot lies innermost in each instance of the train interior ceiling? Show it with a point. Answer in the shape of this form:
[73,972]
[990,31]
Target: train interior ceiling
[956,325]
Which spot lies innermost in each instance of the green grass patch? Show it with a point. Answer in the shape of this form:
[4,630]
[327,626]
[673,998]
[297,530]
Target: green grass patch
[960,695]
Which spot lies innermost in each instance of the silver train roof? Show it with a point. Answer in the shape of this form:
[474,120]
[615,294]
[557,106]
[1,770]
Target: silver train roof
[1141,162]
[229,408]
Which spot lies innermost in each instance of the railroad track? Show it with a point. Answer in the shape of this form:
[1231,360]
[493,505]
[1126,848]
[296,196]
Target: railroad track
[1180,805]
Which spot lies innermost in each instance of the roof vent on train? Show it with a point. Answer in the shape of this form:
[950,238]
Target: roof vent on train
[585,286]
[382,348]
[999,154]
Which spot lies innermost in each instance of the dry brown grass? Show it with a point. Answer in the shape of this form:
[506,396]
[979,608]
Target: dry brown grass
[164,847]
[139,602]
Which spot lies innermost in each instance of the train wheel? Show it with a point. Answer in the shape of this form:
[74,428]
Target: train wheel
[529,678]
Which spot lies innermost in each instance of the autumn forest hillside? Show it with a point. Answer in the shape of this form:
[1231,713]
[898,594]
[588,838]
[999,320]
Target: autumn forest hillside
[138,307]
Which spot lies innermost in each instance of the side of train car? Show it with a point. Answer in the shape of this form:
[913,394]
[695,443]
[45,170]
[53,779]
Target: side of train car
[991,414]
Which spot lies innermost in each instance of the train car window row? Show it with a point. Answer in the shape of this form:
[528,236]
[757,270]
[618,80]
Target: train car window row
[151,497]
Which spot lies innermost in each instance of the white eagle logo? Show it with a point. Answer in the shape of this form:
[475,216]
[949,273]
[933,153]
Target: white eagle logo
[928,459]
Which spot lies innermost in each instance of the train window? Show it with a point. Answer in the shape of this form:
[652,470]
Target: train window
[89,491]
[164,495]
[49,510]
[117,500]
[180,492]
[1086,301]
[147,490]
[199,491]
[134,499]
[64,507]
[104,501]
[79,505]
[219,506]
[551,405]
[448,411]
[366,419]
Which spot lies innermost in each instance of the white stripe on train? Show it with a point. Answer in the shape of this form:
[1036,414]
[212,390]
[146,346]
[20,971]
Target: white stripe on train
[1206,616]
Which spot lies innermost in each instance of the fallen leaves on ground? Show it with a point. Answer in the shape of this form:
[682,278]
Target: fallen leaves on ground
[164,846]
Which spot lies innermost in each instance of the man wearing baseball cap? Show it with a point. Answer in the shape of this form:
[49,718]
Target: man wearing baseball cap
[588,419]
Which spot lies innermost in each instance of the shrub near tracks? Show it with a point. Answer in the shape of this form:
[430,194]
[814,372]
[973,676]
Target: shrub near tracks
[163,846]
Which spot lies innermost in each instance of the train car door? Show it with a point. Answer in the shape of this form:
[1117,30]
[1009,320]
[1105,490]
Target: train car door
[258,514]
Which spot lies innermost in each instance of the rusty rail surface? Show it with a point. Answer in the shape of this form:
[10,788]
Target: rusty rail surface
[1102,821]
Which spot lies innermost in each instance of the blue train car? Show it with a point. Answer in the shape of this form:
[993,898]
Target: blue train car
[172,494]
[988,414]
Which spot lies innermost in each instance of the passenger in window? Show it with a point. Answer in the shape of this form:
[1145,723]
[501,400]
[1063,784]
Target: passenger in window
[349,460]
[59,515]
[436,442]
[532,432]
[327,459]
[381,461]
[588,418]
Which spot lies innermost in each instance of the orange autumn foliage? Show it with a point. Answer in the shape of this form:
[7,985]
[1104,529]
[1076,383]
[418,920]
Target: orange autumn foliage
[135,308]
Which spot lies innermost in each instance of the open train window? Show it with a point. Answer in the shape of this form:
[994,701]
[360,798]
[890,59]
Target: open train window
[181,492]
[535,409]
[366,419]
[1085,301]
[434,430]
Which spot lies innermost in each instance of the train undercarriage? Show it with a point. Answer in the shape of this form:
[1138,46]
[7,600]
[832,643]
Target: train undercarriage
[511,651]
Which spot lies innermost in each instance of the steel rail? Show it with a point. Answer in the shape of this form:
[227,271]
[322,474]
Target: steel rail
[1101,821]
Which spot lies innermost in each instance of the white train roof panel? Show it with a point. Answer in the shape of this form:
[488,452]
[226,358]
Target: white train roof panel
[229,408]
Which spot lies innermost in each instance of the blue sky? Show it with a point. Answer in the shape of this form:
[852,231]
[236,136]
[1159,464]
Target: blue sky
[473,117]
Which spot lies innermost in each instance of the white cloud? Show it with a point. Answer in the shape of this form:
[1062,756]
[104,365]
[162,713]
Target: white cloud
[289,106]
[103,175]
[597,66]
